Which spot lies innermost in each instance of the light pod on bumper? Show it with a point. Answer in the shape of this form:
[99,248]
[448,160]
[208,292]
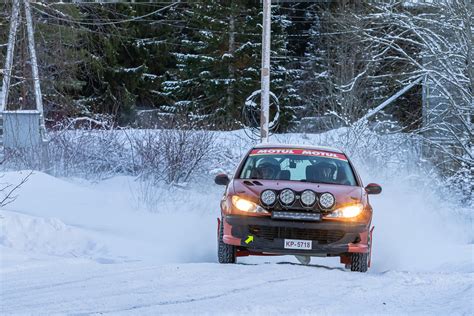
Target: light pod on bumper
[308,198]
[327,200]
[287,197]
[268,197]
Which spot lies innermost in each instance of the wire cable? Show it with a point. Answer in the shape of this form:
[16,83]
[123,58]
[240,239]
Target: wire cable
[138,18]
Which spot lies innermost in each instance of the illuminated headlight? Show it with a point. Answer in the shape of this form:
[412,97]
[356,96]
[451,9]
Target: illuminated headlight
[308,197]
[347,211]
[327,200]
[246,205]
[268,197]
[287,197]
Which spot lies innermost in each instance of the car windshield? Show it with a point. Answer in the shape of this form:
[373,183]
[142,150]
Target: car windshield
[298,165]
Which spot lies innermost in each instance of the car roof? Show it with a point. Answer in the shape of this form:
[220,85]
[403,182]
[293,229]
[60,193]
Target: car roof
[303,146]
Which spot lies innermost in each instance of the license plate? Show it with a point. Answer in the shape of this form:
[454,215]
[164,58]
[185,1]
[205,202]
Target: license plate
[298,244]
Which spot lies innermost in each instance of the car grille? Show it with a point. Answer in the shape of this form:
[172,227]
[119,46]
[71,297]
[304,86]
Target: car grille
[320,235]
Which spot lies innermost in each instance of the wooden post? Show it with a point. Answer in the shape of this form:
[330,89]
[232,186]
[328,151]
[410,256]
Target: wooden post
[265,97]
[34,65]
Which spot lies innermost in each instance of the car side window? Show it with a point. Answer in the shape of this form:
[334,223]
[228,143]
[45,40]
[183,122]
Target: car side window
[247,170]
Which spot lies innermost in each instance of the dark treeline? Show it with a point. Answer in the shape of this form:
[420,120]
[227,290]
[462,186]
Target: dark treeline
[201,59]
[332,61]
[151,64]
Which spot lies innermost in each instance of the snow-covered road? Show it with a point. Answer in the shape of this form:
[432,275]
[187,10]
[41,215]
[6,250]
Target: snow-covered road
[72,247]
[72,286]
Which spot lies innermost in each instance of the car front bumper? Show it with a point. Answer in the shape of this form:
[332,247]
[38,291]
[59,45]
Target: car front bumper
[264,235]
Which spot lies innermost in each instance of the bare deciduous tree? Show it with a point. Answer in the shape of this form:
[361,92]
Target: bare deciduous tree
[7,190]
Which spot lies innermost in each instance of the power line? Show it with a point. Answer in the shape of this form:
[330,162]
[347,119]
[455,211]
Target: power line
[78,2]
[138,18]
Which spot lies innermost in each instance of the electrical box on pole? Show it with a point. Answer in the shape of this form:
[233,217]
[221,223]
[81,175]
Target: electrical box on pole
[21,129]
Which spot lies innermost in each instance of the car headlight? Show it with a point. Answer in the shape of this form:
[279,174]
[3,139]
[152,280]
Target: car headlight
[349,211]
[327,200]
[308,198]
[287,196]
[247,206]
[268,197]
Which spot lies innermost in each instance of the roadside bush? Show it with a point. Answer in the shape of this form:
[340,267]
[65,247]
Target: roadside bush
[25,158]
[94,149]
[88,152]
[166,160]
[96,154]
[171,155]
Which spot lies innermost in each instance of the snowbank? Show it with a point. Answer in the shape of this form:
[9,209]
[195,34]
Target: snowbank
[57,217]
[415,229]
[50,236]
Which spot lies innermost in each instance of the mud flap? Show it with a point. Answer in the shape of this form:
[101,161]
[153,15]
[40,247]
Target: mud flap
[303,259]
[370,245]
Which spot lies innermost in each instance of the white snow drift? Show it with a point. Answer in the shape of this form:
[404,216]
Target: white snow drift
[70,246]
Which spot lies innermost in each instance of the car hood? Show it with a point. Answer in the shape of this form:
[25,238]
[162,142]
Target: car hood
[251,189]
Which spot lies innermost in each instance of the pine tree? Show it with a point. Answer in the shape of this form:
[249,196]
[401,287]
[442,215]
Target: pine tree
[218,63]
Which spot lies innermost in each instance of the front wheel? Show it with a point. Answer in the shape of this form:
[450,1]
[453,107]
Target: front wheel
[359,262]
[225,252]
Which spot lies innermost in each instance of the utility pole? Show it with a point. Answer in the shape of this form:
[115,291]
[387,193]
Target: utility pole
[265,94]
[10,52]
[34,61]
[231,68]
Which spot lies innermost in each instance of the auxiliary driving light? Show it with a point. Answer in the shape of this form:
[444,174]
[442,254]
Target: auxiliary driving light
[287,196]
[308,198]
[327,200]
[349,211]
[268,197]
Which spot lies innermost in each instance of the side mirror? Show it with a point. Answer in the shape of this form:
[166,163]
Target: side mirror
[373,188]
[222,179]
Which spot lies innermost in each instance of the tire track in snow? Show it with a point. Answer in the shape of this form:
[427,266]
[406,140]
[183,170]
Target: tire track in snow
[191,300]
[59,284]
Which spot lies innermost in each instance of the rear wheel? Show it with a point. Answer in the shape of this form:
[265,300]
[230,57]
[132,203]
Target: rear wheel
[225,252]
[359,262]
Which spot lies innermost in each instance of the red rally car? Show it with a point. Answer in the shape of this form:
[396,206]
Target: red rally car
[296,200]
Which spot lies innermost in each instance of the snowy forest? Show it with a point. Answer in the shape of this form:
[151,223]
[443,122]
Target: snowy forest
[125,126]
[153,64]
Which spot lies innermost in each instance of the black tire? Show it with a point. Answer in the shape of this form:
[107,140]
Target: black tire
[360,262]
[225,252]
